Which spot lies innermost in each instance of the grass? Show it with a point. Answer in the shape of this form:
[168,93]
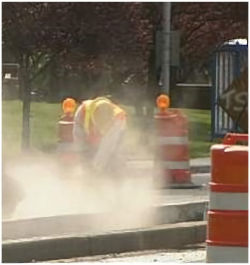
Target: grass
[199,132]
[44,117]
[43,124]
[11,127]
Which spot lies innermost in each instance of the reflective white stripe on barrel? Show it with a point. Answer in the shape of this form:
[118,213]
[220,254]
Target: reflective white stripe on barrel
[161,140]
[174,164]
[218,254]
[228,201]
[66,122]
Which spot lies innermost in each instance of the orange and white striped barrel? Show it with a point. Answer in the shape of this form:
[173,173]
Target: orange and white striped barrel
[172,148]
[227,230]
[65,129]
[66,148]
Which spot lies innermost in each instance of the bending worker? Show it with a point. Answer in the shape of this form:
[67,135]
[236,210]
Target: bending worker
[98,130]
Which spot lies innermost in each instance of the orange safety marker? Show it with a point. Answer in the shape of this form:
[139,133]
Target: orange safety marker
[171,146]
[227,230]
[69,106]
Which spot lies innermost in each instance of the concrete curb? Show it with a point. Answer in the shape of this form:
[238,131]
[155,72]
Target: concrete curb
[196,165]
[72,224]
[180,212]
[159,237]
[200,169]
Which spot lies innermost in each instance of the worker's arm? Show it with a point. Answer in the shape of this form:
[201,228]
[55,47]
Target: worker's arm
[110,145]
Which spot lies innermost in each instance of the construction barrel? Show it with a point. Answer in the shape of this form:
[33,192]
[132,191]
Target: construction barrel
[66,149]
[172,165]
[227,228]
[65,128]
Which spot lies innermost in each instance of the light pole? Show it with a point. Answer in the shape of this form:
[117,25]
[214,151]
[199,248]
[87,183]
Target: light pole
[166,47]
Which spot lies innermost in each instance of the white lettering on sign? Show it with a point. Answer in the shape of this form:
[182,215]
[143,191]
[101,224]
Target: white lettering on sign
[227,97]
[239,98]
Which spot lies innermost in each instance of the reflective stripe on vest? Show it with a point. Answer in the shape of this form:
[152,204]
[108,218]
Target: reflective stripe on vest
[86,110]
[90,107]
[175,140]
[228,201]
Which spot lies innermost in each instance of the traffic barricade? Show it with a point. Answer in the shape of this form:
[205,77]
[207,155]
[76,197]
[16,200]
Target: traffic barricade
[172,164]
[66,148]
[227,229]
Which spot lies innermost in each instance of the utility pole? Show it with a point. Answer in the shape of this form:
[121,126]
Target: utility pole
[166,46]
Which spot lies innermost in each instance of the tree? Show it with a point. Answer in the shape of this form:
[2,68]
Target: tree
[19,36]
[36,34]
[205,26]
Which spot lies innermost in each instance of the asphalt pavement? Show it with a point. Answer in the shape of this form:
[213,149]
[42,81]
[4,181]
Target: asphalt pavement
[190,254]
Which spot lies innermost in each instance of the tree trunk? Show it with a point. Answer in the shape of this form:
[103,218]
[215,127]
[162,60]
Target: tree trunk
[26,98]
[55,83]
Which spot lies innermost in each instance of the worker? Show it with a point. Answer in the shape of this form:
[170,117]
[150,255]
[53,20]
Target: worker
[98,130]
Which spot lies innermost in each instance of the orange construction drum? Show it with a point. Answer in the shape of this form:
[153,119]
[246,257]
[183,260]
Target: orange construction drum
[227,229]
[65,129]
[66,149]
[171,146]
[66,122]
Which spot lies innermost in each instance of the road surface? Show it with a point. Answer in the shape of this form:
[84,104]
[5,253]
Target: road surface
[195,253]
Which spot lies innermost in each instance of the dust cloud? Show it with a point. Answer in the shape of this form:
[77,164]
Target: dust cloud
[38,185]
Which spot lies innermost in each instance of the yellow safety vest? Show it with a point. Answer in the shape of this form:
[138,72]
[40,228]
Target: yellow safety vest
[90,107]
